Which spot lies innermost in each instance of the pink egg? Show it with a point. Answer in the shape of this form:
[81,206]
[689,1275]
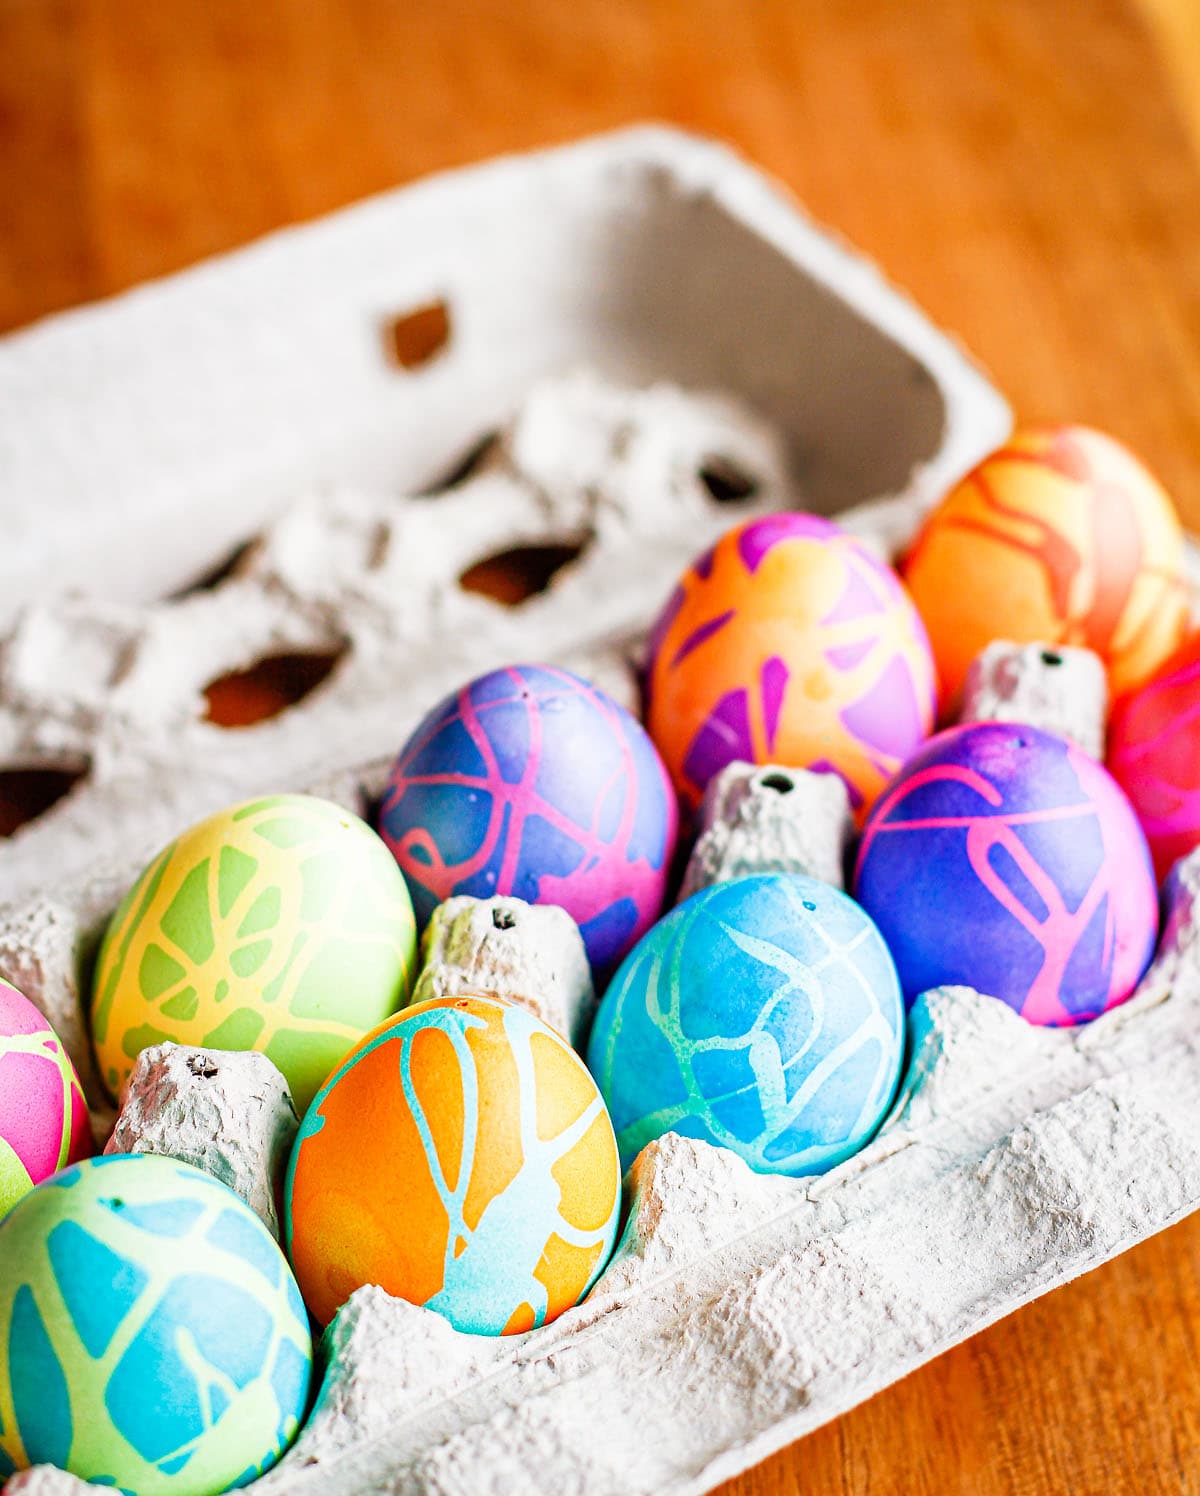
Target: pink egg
[43,1115]
[1154,755]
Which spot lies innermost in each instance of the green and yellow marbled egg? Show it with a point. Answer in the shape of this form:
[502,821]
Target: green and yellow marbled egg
[282,925]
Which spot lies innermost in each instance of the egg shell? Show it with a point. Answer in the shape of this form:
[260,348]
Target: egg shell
[532,782]
[762,1015]
[462,1159]
[281,925]
[43,1114]
[1154,755]
[152,1336]
[1004,858]
[789,643]
[1062,537]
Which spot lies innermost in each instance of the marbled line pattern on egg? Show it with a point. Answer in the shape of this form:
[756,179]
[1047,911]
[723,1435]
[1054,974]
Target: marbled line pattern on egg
[1062,536]
[789,642]
[758,1019]
[532,782]
[1006,859]
[280,925]
[487,1186]
[43,1114]
[151,1330]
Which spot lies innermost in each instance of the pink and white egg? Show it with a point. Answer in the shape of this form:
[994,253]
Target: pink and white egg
[43,1114]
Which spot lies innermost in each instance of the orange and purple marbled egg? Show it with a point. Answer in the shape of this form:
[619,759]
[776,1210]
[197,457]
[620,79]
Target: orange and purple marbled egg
[789,642]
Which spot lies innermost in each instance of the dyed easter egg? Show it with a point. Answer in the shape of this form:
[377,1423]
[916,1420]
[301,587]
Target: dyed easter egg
[762,1015]
[1154,755]
[43,1116]
[789,643]
[462,1159]
[151,1334]
[1004,858]
[1062,536]
[531,782]
[281,925]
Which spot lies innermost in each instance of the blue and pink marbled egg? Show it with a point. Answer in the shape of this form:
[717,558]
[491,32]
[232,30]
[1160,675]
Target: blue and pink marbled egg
[1004,858]
[530,781]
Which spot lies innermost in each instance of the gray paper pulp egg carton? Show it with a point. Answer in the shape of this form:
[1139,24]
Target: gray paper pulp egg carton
[589,294]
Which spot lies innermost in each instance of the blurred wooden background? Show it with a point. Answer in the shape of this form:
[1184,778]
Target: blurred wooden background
[1175,27]
[1023,167]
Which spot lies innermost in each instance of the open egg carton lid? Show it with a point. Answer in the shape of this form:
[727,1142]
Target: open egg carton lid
[297,390]
[277,405]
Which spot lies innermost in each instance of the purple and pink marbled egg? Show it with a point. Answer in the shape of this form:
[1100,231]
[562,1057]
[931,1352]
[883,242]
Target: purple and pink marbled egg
[1004,858]
[43,1116]
[531,781]
[788,642]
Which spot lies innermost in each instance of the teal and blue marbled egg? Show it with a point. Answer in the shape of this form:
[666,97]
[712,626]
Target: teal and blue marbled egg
[763,1015]
[152,1336]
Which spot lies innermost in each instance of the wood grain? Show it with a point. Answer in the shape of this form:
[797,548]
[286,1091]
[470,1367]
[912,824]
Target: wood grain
[1019,166]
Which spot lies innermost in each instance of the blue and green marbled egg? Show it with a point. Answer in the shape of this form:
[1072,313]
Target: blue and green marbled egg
[763,1015]
[152,1336]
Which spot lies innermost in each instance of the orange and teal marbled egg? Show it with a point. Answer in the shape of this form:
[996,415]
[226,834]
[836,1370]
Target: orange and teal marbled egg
[461,1158]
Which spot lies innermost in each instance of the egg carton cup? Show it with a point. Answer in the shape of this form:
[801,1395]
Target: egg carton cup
[304,399]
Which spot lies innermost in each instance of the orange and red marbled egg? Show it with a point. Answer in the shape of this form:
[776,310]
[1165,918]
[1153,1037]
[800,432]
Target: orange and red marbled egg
[1061,537]
[462,1158]
[789,642]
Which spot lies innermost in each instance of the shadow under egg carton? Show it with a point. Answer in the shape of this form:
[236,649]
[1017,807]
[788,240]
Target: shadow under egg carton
[741,1309]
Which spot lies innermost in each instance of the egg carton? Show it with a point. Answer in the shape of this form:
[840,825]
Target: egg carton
[284,400]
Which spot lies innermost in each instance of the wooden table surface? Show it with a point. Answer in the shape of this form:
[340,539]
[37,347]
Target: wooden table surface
[1018,165]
